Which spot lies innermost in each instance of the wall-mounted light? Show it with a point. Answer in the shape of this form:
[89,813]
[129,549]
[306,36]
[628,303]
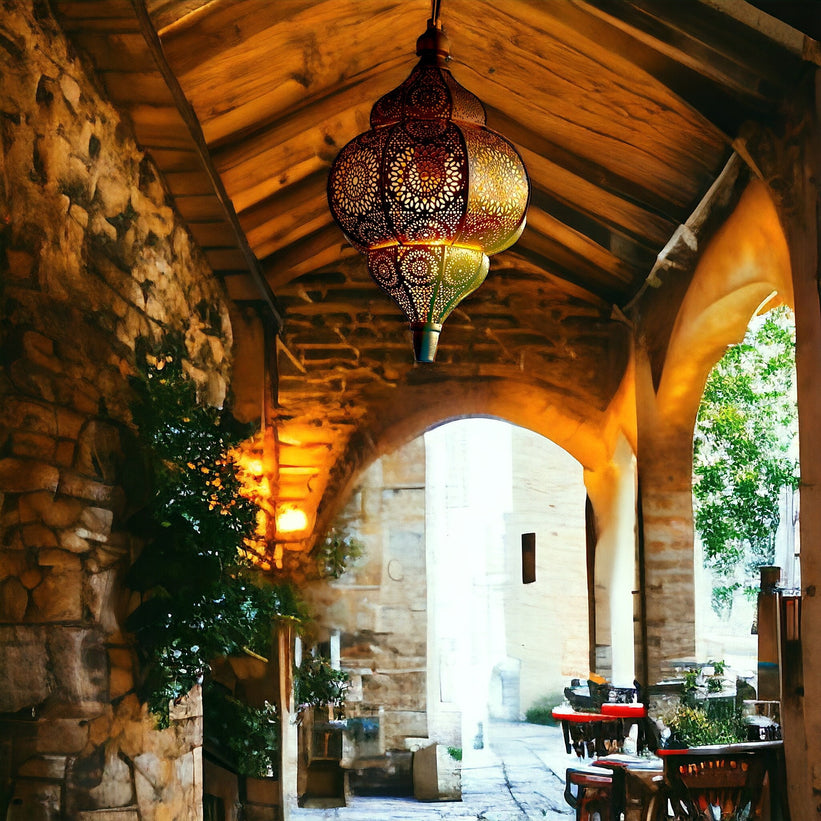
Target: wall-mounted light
[429,193]
[291,519]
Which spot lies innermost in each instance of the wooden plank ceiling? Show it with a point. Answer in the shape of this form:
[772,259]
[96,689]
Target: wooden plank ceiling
[624,112]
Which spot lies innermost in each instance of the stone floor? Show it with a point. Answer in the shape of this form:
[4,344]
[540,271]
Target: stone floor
[519,776]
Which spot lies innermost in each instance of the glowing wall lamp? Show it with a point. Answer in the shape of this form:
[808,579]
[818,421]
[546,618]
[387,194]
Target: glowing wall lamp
[290,520]
[429,192]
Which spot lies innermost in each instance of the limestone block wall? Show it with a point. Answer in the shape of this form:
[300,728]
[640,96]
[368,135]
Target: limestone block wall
[91,258]
[380,605]
[547,621]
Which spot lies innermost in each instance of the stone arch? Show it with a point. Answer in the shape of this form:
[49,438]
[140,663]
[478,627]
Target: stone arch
[599,439]
[568,422]
[745,269]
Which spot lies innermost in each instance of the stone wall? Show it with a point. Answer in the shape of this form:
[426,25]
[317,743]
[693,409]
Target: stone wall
[380,605]
[91,258]
[547,621]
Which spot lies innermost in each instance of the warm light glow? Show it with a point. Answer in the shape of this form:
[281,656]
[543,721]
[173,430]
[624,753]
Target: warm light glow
[291,520]
[255,467]
[262,523]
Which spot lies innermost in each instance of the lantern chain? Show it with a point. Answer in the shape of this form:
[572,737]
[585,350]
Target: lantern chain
[435,8]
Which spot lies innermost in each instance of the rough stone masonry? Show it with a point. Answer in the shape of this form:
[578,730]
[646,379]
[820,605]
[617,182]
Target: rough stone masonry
[91,258]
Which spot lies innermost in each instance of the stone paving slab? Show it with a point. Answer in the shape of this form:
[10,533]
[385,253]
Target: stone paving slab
[519,776]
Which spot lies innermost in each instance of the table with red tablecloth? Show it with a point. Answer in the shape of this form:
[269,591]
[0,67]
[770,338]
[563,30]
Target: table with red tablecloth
[601,733]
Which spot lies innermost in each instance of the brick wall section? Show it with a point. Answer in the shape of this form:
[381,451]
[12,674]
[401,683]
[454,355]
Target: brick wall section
[91,258]
[665,467]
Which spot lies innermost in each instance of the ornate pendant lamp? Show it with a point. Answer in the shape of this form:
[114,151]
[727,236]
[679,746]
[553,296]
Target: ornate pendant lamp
[429,193]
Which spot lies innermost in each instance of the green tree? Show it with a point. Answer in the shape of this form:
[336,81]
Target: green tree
[743,454]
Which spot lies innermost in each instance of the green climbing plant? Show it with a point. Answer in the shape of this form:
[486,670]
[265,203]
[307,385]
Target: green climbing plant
[743,454]
[201,596]
[336,552]
[249,734]
[318,684]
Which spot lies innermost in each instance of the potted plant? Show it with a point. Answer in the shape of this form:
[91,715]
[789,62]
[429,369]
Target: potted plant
[710,769]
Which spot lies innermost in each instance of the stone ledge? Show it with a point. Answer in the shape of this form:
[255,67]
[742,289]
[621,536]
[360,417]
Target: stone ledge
[118,814]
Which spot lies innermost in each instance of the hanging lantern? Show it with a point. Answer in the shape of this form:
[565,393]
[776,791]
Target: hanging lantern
[429,192]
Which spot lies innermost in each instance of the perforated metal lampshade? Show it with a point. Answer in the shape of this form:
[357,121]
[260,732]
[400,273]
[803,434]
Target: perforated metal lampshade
[429,193]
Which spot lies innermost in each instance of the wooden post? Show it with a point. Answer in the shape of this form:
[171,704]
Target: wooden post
[769,678]
[287,727]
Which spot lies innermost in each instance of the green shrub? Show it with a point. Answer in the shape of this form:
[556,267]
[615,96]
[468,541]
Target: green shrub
[201,597]
[249,736]
[690,726]
[318,684]
[541,711]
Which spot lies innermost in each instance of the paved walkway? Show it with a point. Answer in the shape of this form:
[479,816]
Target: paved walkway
[518,777]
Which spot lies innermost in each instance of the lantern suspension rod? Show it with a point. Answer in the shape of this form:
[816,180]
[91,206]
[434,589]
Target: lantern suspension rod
[435,8]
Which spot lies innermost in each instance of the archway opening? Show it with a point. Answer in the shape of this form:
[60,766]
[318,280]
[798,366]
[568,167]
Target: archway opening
[435,625]
[499,647]
[745,487]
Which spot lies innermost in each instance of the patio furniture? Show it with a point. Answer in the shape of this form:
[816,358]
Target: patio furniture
[724,782]
[595,793]
[601,733]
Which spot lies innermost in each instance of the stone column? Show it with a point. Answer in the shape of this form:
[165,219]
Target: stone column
[613,496]
[665,457]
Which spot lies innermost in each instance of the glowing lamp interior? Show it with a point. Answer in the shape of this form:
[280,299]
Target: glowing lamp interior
[291,520]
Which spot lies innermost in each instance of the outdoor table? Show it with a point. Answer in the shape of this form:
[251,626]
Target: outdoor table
[596,732]
[641,783]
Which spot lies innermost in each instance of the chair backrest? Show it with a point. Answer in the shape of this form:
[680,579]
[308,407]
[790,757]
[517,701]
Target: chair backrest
[714,785]
[595,793]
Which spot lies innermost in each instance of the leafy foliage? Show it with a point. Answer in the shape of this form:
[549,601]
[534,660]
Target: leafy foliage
[336,552]
[202,597]
[251,734]
[318,684]
[541,711]
[742,458]
[691,726]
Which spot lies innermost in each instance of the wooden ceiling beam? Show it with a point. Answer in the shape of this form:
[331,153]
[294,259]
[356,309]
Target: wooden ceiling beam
[322,247]
[587,168]
[578,244]
[169,12]
[304,139]
[702,71]
[622,214]
[297,211]
[236,80]
[565,258]
[195,133]
[89,15]
[632,249]
[539,257]
[715,44]
[581,94]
